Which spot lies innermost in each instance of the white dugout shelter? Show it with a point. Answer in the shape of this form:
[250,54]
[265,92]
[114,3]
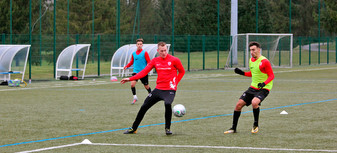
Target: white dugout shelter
[13,60]
[72,59]
[123,56]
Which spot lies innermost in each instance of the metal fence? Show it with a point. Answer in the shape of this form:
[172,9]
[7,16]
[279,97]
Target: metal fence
[197,52]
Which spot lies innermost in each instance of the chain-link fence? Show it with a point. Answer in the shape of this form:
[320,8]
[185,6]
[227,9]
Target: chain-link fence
[198,31]
[197,52]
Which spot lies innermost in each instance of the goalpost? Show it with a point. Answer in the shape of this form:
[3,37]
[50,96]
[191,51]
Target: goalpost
[278,48]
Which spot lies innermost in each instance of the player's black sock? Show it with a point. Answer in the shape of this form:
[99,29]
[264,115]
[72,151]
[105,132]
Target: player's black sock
[149,90]
[236,119]
[256,113]
[133,89]
[168,115]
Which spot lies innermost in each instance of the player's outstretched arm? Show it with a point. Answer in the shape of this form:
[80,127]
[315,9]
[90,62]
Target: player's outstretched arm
[239,71]
[129,64]
[125,80]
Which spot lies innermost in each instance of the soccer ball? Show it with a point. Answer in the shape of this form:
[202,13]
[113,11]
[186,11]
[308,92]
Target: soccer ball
[179,110]
[113,79]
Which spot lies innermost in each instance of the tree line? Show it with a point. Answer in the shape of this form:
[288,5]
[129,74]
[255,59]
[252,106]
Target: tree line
[154,17]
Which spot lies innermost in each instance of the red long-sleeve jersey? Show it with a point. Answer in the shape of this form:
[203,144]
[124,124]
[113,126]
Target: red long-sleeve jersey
[265,67]
[147,58]
[167,69]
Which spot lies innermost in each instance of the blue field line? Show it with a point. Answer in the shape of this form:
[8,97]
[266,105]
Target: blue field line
[192,119]
[300,104]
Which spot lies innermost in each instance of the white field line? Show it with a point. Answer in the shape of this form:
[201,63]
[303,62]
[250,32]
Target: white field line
[313,69]
[51,148]
[180,146]
[57,86]
[201,76]
[212,147]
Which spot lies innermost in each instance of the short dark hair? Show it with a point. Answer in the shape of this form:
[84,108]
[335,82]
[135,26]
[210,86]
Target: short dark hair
[140,39]
[254,43]
[161,44]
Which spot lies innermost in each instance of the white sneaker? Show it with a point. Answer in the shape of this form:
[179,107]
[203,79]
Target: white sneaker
[134,101]
[230,131]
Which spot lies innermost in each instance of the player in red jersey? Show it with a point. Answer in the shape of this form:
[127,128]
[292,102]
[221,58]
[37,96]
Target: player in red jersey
[166,67]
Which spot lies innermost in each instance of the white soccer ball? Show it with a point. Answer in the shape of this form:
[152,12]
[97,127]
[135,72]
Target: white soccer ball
[113,79]
[179,110]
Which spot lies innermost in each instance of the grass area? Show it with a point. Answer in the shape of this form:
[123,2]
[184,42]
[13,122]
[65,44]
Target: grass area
[199,61]
[53,113]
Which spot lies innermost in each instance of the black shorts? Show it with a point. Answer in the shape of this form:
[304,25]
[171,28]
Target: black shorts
[157,95]
[144,80]
[250,93]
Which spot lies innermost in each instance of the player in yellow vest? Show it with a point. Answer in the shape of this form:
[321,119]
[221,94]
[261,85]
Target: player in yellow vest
[262,82]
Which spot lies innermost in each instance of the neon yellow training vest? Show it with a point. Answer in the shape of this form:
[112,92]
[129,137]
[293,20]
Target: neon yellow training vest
[257,75]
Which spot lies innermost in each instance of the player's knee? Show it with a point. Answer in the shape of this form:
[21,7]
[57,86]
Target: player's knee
[168,105]
[255,104]
[239,105]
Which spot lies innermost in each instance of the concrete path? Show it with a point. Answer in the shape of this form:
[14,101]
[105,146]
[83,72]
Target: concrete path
[314,47]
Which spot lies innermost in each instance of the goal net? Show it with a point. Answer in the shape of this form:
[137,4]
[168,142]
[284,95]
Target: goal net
[277,48]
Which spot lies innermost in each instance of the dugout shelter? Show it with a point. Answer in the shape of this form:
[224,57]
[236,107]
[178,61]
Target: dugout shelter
[13,60]
[72,59]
